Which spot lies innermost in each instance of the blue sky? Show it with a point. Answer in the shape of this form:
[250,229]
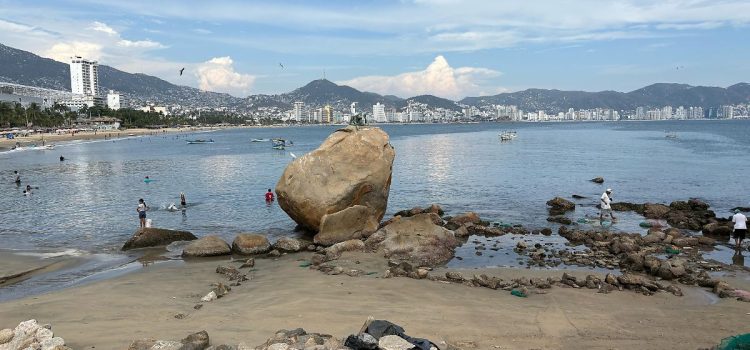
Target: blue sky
[448,48]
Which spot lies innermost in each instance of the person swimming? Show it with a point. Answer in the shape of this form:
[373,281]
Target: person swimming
[62,159]
[18,177]
[183,201]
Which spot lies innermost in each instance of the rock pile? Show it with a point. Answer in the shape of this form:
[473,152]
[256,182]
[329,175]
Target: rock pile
[31,335]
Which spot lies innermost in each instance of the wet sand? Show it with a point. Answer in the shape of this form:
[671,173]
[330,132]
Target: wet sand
[110,314]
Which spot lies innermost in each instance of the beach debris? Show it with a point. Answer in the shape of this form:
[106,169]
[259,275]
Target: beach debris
[519,293]
[31,335]
[250,244]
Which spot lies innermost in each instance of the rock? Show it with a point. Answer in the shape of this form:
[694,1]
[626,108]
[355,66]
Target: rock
[435,209]
[355,222]
[706,241]
[394,342]
[611,279]
[560,219]
[416,239]
[672,269]
[598,180]
[334,252]
[274,253]
[211,296]
[561,204]
[630,279]
[6,335]
[288,244]
[248,263]
[454,276]
[207,246]
[717,229]
[577,196]
[156,237]
[361,341]
[653,237]
[461,232]
[655,211]
[685,242]
[197,341]
[352,167]
[521,245]
[250,244]
[465,218]
[723,289]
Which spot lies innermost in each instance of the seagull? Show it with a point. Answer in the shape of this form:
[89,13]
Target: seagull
[292,154]
[281,65]
[678,67]
[183,68]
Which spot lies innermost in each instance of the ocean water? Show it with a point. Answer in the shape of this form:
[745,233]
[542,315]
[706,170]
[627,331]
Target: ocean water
[88,202]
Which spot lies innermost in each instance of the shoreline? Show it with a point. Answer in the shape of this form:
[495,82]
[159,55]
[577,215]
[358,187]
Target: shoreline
[281,294]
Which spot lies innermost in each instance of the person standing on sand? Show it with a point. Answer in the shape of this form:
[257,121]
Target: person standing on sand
[740,228]
[141,209]
[605,202]
[269,196]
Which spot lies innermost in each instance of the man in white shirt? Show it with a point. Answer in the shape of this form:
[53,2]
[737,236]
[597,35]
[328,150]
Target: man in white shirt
[740,228]
[606,207]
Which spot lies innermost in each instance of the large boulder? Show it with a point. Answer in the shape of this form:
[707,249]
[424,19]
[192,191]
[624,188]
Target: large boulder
[416,239]
[718,229]
[352,167]
[351,223]
[250,243]
[156,237]
[207,246]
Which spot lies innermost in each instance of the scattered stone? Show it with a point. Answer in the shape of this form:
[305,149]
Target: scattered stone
[454,276]
[274,253]
[211,296]
[156,237]
[598,180]
[521,245]
[465,218]
[546,231]
[353,166]
[180,316]
[207,246]
[561,204]
[198,306]
[250,244]
[288,244]
[394,342]
[362,341]
[249,263]
[231,272]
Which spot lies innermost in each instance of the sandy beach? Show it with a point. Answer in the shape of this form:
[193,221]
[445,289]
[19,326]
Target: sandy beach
[53,138]
[280,294]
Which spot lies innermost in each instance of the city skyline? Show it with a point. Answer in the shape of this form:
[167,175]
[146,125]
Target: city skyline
[446,48]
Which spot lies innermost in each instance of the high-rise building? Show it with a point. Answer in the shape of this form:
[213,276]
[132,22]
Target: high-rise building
[353,108]
[726,112]
[328,114]
[84,77]
[378,113]
[298,110]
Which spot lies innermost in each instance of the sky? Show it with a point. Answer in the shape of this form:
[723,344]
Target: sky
[448,48]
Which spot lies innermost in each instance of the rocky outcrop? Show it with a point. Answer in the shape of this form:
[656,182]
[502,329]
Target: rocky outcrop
[559,205]
[250,243]
[655,211]
[31,335]
[355,222]
[416,239]
[156,237]
[352,167]
[207,246]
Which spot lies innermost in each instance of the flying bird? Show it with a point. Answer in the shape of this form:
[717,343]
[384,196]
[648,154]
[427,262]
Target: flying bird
[183,68]
[680,67]
[281,65]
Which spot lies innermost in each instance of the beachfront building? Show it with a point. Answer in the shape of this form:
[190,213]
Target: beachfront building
[84,76]
[99,123]
[151,108]
[113,100]
[378,113]
[298,111]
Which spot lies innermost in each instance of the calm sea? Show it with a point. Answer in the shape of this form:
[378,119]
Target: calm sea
[88,202]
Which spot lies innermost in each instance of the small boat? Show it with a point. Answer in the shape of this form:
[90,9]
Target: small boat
[279,143]
[260,140]
[195,142]
[280,147]
[508,135]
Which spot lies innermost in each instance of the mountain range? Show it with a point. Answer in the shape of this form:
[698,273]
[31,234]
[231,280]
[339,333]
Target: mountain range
[25,68]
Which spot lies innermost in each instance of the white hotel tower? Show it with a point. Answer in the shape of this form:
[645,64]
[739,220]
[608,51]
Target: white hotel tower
[84,76]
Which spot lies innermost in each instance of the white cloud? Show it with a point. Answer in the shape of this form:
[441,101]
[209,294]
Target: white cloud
[64,51]
[439,79]
[103,27]
[141,44]
[218,74]
[202,31]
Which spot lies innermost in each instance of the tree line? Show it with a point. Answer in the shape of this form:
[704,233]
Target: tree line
[34,116]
